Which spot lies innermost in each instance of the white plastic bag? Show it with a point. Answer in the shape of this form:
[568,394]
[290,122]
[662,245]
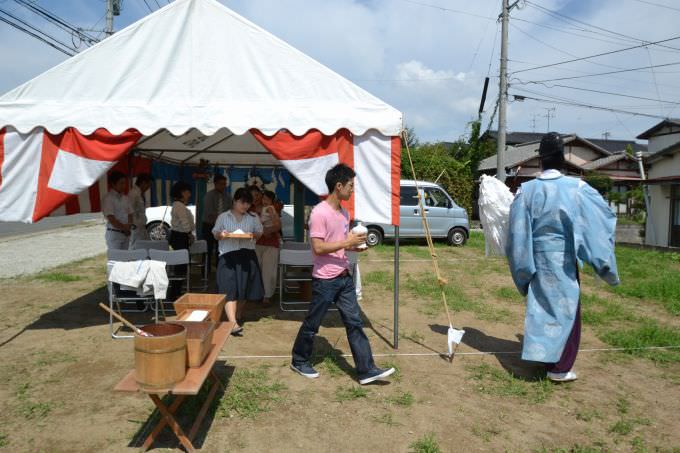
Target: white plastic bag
[495,199]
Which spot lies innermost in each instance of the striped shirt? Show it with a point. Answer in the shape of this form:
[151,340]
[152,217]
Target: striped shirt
[226,221]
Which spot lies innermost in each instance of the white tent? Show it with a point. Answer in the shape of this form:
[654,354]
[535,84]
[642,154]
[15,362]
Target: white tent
[195,79]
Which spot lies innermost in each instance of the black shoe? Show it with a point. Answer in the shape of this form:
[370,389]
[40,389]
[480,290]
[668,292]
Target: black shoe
[305,370]
[375,374]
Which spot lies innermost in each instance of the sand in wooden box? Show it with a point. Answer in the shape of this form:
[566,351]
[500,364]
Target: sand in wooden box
[214,303]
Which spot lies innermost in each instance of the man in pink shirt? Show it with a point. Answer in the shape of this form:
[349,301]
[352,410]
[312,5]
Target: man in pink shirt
[332,282]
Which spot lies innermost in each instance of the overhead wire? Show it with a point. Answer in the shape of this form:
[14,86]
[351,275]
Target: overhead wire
[36,36]
[62,45]
[610,93]
[451,10]
[607,73]
[589,106]
[593,56]
[568,19]
[57,21]
[658,4]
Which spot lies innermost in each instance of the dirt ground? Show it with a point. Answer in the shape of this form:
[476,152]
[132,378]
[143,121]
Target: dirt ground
[59,367]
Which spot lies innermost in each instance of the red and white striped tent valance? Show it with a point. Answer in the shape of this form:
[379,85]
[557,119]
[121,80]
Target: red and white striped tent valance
[43,173]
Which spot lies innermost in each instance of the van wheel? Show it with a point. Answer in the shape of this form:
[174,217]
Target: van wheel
[374,237]
[457,236]
[158,231]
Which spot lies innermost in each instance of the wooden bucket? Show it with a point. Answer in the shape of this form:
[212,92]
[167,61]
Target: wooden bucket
[160,360]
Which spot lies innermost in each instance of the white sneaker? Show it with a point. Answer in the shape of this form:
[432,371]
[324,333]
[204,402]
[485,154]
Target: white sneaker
[562,377]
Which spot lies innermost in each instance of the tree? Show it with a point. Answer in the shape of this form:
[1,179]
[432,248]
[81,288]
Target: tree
[600,182]
[411,138]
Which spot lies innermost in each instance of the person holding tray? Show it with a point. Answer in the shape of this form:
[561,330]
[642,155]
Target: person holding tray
[238,272]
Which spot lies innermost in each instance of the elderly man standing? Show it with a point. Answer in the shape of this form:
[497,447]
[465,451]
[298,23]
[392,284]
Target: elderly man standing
[137,196]
[556,224]
[216,202]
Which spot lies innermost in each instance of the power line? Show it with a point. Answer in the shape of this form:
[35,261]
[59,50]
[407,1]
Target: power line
[659,5]
[588,106]
[37,30]
[606,73]
[36,36]
[610,93]
[594,56]
[148,6]
[450,10]
[567,18]
[56,20]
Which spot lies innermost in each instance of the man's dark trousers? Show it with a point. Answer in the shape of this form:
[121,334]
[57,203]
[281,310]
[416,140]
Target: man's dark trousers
[339,290]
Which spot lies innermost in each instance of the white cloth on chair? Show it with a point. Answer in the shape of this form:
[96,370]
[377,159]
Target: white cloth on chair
[142,276]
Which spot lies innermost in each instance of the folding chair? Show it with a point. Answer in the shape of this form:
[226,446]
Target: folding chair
[295,265]
[151,245]
[173,259]
[119,296]
[198,254]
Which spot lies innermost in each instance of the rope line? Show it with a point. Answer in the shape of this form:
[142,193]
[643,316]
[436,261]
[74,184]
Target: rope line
[445,354]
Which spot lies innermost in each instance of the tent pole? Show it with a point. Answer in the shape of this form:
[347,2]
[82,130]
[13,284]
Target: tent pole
[298,210]
[396,288]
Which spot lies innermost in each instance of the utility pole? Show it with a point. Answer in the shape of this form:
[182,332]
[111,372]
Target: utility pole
[533,123]
[549,114]
[503,91]
[503,94]
[606,135]
[112,9]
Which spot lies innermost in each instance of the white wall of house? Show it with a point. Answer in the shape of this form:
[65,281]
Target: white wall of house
[663,138]
[660,204]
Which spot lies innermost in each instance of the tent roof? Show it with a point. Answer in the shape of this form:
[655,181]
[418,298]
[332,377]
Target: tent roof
[195,64]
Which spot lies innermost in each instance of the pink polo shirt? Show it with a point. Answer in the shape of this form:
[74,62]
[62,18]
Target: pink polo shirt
[329,225]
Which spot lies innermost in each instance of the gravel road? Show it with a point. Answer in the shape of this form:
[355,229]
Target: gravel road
[32,253]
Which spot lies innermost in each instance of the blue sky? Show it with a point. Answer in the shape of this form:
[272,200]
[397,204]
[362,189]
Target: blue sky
[428,58]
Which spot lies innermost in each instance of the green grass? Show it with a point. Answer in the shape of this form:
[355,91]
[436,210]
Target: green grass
[626,426]
[495,382]
[587,415]
[383,279]
[404,399]
[350,393]
[31,410]
[649,334]
[250,392]
[485,432]
[58,277]
[396,376]
[509,294]
[44,358]
[576,448]
[650,275]
[3,440]
[426,444]
[418,251]
[426,287]
[414,336]
[331,365]
[387,419]
[622,406]
[476,240]
[597,311]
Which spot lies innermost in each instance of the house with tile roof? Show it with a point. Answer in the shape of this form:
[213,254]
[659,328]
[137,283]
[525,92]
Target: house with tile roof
[663,183]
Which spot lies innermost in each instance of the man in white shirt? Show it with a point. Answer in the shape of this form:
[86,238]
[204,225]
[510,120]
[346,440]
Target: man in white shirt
[137,197]
[118,213]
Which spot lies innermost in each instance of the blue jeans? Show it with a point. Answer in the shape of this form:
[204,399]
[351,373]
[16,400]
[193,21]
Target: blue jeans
[341,291]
